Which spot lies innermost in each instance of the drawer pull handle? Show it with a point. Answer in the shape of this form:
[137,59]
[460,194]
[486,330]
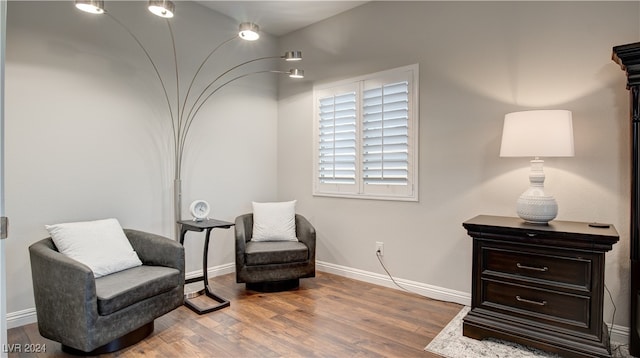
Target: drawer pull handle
[541,269]
[538,303]
[530,234]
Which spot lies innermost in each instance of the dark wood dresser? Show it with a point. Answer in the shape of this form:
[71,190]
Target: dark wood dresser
[539,285]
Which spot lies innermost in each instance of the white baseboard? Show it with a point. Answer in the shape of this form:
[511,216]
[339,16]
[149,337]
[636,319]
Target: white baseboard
[21,318]
[618,333]
[213,271]
[435,292]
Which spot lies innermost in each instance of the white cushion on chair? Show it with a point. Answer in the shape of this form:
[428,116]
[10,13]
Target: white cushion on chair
[102,245]
[274,221]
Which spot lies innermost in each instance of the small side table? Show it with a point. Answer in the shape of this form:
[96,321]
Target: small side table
[199,226]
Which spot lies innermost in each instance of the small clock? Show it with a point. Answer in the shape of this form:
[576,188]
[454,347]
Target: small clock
[199,210]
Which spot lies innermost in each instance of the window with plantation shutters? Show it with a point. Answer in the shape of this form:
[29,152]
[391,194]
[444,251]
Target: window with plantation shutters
[366,135]
[337,139]
[385,129]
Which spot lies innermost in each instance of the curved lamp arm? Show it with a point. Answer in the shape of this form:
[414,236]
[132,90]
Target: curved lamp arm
[293,73]
[248,31]
[195,75]
[195,103]
[288,56]
[155,68]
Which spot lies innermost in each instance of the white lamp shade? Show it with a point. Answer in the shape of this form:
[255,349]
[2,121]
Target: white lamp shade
[540,133]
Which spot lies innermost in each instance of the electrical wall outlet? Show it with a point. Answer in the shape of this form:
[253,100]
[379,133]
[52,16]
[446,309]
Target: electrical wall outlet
[380,247]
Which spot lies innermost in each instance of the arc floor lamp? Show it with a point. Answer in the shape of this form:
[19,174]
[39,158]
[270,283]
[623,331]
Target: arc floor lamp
[183,110]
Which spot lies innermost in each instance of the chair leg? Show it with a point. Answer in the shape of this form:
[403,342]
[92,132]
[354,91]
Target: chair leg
[273,286]
[125,341]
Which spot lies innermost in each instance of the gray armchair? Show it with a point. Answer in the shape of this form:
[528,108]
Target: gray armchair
[274,265]
[100,315]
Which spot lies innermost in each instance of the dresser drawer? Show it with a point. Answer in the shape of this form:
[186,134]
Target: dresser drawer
[541,305]
[553,269]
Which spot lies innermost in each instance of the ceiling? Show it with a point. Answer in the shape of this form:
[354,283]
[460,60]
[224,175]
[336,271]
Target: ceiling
[280,17]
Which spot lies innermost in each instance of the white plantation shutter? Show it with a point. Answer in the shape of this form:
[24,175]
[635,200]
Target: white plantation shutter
[385,129]
[366,136]
[337,139]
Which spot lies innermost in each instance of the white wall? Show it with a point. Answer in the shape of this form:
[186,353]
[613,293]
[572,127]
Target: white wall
[478,61]
[88,134]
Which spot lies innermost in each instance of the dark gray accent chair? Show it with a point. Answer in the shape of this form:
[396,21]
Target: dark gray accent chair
[274,265]
[98,315]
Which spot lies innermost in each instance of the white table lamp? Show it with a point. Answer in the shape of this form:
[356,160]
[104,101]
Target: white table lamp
[541,133]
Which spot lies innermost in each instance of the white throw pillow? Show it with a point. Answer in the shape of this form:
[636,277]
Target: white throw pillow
[101,245]
[274,221]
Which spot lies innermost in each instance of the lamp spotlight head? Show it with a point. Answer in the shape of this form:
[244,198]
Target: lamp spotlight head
[296,73]
[249,31]
[162,8]
[91,6]
[292,56]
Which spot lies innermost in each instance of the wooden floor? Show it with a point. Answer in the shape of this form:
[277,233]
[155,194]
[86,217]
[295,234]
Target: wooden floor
[328,316]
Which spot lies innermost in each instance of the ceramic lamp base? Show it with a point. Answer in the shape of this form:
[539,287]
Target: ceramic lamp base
[534,205]
[537,209]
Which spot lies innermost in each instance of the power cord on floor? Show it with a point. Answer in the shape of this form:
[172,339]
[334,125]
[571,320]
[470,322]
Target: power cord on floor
[613,316]
[379,256]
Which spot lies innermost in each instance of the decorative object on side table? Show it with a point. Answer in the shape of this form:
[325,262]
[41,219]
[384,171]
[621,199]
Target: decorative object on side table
[542,133]
[199,226]
[539,285]
[199,210]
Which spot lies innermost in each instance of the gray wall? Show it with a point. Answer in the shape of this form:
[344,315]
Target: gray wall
[88,134]
[478,61]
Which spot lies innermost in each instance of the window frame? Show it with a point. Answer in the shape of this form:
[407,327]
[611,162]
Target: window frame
[360,190]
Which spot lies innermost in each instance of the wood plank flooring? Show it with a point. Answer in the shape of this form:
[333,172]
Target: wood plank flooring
[328,316]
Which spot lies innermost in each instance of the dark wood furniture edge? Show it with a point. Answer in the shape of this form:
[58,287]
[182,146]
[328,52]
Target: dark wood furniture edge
[594,238]
[628,57]
[478,325]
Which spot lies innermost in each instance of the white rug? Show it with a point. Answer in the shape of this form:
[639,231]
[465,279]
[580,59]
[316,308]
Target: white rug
[451,343]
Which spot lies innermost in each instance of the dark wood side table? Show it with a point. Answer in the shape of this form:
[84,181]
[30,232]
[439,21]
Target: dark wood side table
[539,285]
[199,226]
